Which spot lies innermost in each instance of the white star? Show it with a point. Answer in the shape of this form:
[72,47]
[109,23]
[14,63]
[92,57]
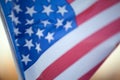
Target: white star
[38,47]
[68,25]
[49,37]
[47,10]
[7,1]
[29,44]
[26,59]
[29,31]
[29,21]
[17,8]
[30,11]
[16,31]
[16,41]
[12,16]
[14,19]
[40,33]
[59,23]
[45,23]
[62,10]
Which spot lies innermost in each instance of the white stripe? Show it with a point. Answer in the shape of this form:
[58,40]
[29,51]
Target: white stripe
[70,40]
[81,5]
[89,61]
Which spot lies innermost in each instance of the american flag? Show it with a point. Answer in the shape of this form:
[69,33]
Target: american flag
[62,39]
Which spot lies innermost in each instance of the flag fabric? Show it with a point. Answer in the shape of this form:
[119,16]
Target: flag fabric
[61,39]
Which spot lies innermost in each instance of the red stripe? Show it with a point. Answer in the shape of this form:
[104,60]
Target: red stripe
[79,50]
[70,1]
[91,72]
[96,8]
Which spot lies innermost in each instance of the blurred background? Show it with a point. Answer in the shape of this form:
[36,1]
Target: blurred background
[110,70]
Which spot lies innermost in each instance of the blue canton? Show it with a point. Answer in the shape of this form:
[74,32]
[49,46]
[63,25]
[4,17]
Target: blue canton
[37,25]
